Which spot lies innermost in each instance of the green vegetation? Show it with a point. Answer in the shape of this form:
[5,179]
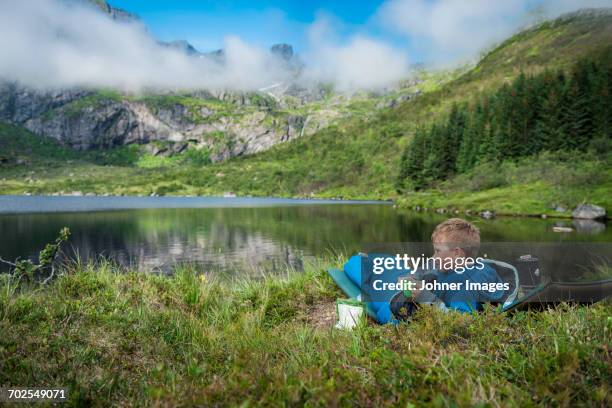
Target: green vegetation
[93,101]
[535,185]
[17,144]
[261,100]
[27,270]
[121,338]
[200,110]
[359,155]
[546,112]
[209,109]
[39,153]
[284,170]
[532,185]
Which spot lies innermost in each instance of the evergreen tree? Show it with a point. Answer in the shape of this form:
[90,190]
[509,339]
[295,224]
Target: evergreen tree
[549,111]
[601,90]
[433,167]
[413,160]
[577,110]
[454,132]
[519,110]
[496,142]
[576,118]
[550,128]
[536,91]
[473,137]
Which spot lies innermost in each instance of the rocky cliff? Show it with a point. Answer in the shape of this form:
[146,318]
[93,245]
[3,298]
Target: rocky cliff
[228,124]
[115,13]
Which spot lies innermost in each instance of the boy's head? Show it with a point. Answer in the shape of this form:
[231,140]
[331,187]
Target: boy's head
[455,238]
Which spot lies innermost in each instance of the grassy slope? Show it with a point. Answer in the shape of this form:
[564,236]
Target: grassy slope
[534,185]
[554,180]
[126,339]
[355,158]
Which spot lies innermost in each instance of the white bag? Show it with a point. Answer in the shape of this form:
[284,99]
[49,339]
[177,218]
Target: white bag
[350,313]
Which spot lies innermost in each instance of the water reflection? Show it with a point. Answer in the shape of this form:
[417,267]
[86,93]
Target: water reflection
[248,240]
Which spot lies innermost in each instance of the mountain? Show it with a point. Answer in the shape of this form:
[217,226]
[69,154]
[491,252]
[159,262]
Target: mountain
[283,51]
[115,13]
[183,46]
[226,124]
[354,145]
[360,156]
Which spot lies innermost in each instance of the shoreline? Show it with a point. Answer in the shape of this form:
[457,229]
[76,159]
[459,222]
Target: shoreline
[23,204]
[476,213]
[263,201]
[491,213]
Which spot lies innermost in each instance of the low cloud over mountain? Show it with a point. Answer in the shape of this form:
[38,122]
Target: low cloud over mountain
[61,44]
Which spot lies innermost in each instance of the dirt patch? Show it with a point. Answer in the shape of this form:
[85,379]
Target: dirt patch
[322,315]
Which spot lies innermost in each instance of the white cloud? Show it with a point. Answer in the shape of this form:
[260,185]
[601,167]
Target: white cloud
[361,62]
[60,44]
[56,44]
[552,8]
[445,30]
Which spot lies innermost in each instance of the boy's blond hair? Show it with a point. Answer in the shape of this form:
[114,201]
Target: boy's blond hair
[460,233]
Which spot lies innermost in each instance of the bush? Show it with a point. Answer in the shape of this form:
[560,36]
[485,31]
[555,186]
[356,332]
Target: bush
[197,157]
[483,177]
[557,169]
[168,188]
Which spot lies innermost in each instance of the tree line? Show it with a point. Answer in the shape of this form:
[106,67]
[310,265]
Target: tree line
[554,110]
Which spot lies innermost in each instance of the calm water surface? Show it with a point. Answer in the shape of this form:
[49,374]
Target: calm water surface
[235,235]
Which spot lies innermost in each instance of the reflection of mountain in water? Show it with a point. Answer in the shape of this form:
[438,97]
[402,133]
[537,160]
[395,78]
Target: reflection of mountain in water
[154,240]
[224,239]
[220,248]
[242,239]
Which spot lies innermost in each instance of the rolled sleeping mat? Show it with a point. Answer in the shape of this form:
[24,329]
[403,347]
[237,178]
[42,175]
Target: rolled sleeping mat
[381,304]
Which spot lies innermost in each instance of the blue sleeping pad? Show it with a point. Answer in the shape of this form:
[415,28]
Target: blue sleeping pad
[377,301]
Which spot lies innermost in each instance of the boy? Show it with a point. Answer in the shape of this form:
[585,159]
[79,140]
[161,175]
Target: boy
[456,243]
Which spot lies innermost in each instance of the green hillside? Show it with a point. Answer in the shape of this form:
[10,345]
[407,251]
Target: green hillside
[358,157]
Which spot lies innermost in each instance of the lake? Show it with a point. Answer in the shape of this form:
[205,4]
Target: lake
[237,235]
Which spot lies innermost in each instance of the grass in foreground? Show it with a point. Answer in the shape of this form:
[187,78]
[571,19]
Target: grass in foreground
[125,338]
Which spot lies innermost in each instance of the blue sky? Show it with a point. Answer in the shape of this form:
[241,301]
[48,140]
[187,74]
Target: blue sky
[205,23]
[423,30]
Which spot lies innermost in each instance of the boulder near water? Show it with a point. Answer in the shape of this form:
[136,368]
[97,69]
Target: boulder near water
[487,214]
[589,212]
